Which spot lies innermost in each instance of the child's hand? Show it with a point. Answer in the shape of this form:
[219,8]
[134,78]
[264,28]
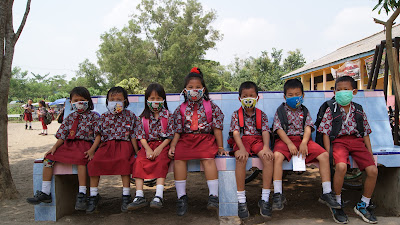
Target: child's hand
[51,151]
[222,152]
[303,150]
[149,154]
[267,154]
[157,152]
[241,155]
[89,154]
[171,152]
[292,149]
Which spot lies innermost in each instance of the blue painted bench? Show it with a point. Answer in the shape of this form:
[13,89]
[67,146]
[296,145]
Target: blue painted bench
[388,155]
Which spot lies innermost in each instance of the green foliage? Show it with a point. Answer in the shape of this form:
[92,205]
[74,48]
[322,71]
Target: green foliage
[132,86]
[387,5]
[15,109]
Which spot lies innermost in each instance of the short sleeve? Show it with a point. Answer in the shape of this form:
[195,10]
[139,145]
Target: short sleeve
[234,123]
[264,122]
[277,123]
[218,116]
[325,126]
[367,127]
[63,130]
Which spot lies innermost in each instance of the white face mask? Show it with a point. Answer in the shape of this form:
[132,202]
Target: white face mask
[80,106]
[115,107]
[194,94]
[155,106]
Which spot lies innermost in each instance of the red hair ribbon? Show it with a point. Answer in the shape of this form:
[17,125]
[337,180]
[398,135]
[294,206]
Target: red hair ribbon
[195,70]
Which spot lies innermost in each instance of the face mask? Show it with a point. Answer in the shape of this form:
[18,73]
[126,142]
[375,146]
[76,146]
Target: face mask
[294,102]
[155,106]
[344,97]
[248,103]
[194,94]
[115,107]
[80,106]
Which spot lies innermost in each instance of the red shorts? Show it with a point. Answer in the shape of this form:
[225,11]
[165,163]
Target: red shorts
[253,144]
[351,145]
[149,169]
[196,146]
[44,126]
[314,149]
[71,152]
[28,117]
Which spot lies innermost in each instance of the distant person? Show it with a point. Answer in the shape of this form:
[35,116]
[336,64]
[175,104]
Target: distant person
[42,112]
[332,88]
[74,141]
[28,114]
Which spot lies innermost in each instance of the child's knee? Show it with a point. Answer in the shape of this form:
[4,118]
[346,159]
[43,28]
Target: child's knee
[278,157]
[372,171]
[323,157]
[341,168]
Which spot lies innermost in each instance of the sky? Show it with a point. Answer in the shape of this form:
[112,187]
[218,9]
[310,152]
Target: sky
[59,34]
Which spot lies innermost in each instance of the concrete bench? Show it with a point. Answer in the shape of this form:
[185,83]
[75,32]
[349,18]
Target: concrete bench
[65,186]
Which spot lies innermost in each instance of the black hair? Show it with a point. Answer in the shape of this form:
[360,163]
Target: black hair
[292,84]
[84,93]
[248,85]
[160,92]
[118,89]
[195,73]
[346,79]
[43,103]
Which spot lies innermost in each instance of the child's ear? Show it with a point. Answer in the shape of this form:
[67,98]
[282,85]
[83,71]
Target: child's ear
[355,91]
[284,96]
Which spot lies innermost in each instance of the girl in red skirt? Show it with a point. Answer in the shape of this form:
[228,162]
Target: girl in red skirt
[198,124]
[152,160]
[116,131]
[28,114]
[75,137]
[42,113]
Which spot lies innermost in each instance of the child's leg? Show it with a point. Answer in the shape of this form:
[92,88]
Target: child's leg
[370,181]
[47,175]
[180,174]
[277,171]
[211,172]
[268,171]
[126,184]
[338,178]
[240,174]
[159,189]
[324,167]
[94,183]
[82,177]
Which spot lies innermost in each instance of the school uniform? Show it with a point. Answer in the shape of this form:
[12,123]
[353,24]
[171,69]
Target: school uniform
[196,140]
[115,153]
[28,113]
[43,111]
[77,131]
[251,137]
[349,140]
[143,167]
[295,133]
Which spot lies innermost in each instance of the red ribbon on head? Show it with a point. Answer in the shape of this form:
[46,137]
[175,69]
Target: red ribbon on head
[195,70]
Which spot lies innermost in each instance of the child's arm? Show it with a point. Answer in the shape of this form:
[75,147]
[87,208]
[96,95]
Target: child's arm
[135,145]
[159,149]
[266,151]
[367,142]
[90,153]
[55,146]
[327,142]
[283,136]
[172,146]
[149,151]
[240,154]
[220,143]
[303,149]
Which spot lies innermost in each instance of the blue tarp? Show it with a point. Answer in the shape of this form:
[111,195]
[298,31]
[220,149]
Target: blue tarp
[60,101]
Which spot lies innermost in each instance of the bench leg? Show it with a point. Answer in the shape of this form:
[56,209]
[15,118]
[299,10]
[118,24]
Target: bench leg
[387,190]
[228,203]
[43,211]
[66,190]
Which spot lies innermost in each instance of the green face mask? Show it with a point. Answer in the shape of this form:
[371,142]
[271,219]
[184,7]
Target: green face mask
[344,97]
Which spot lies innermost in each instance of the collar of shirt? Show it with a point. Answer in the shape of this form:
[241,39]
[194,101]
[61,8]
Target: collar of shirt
[352,108]
[247,115]
[192,103]
[122,114]
[163,113]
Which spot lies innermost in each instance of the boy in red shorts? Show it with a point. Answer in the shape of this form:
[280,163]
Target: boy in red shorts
[249,128]
[350,141]
[293,124]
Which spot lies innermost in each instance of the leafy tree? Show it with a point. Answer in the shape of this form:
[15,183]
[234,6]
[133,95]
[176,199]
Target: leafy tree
[294,61]
[92,74]
[132,86]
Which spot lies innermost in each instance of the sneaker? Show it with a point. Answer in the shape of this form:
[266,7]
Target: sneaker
[156,204]
[126,199]
[30,128]
[243,212]
[81,202]
[278,201]
[182,205]
[339,216]
[213,202]
[366,213]
[265,209]
[329,199]
[39,197]
[26,127]
[92,204]
[137,203]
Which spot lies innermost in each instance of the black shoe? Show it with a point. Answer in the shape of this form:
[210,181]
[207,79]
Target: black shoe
[138,202]
[182,205]
[156,204]
[339,216]
[81,203]
[26,127]
[39,197]
[30,128]
[243,212]
[265,209]
[329,199]
[213,202]
[126,199]
[92,204]
[366,213]
[278,200]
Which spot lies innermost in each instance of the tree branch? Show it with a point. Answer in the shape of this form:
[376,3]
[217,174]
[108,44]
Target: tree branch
[21,26]
[379,21]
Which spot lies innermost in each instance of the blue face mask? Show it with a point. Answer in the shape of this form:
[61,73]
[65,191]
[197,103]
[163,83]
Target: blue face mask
[294,102]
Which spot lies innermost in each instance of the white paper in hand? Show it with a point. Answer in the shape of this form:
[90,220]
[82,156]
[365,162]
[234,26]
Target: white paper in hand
[299,163]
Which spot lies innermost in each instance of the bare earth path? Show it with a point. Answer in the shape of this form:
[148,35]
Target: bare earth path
[301,191]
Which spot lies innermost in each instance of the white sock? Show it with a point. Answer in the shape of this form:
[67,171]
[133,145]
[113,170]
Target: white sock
[82,189]
[94,191]
[126,191]
[278,186]
[265,194]
[366,200]
[326,187]
[339,199]
[46,186]
[241,195]
[213,187]
[139,193]
[30,124]
[159,192]
[180,186]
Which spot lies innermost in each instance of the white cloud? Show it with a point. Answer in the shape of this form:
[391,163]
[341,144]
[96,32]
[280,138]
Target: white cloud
[120,14]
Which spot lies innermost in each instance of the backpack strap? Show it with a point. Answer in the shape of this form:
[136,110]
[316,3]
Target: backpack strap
[359,116]
[164,122]
[282,117]
[305,114]
[337,119]
[241,119]
[208,109]
[145,126]
[258,120]
[182,108]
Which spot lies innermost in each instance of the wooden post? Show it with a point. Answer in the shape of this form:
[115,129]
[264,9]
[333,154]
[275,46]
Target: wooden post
[362,74]
[312,82]
[324,80]
[302,79]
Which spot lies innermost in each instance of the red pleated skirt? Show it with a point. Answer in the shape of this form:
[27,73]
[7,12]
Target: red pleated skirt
[149,169]
[44,126]
[28,117]
[196,146]
[112,158]
[71,152]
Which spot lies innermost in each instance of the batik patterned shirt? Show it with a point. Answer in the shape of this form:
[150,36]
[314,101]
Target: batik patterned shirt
[250,127]
[295,121]
[85,131]
[156,131]
[119,126]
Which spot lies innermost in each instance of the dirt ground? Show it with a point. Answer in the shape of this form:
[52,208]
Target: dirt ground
[302,192]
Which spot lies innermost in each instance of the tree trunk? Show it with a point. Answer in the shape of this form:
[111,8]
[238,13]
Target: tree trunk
[8,39]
